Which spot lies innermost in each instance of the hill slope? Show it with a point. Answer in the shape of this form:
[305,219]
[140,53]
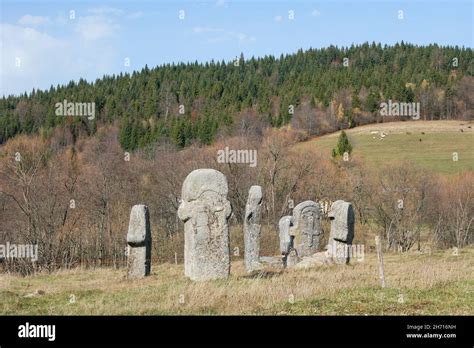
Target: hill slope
[192,102]
[430,144]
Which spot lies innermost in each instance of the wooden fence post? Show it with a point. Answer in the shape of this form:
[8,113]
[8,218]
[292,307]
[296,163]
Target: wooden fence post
[378,245]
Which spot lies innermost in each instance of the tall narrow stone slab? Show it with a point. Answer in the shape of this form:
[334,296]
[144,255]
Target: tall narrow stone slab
[306,228]
[205,211]
[252,229]
[286,240]
[139,242]
[284,226]
[342,219]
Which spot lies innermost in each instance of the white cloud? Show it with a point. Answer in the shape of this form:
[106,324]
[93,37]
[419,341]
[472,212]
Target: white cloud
[45,59]
[220,3]
[35,51]
[24,42]
[278,18]
[315,13]
[103,10]
[29,20]
[92,28]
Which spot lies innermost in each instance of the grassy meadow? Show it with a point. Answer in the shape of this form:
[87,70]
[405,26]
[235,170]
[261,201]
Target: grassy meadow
[429,144]
[439,283]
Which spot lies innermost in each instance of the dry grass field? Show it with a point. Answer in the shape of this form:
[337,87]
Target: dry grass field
[440,283]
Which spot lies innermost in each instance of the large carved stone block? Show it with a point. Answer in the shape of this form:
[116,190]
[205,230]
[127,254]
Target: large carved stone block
[306,228]
[205,211]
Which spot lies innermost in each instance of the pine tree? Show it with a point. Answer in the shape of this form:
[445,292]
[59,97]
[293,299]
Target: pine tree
[125,135]
[355,100]
[343,145]
[372,102]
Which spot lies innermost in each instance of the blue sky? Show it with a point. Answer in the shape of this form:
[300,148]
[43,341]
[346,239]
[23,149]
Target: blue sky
[41,45]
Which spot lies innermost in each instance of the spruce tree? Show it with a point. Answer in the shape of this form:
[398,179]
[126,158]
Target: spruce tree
[125,135]
[343,145]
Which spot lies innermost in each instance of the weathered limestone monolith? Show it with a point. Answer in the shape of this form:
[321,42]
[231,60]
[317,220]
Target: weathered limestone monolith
[205,211]
[342,231]
[286,241]
[284,226]
[252,229]
[139,242]
[306,228]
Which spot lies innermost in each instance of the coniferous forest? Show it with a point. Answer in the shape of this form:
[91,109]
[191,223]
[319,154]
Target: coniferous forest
[317,90]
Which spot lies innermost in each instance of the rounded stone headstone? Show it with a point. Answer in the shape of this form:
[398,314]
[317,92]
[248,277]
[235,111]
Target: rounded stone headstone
[205,211]
[306,228]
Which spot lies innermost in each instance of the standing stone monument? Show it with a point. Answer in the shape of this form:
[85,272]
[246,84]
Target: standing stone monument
[306,228]
[285,239]
[342,219]
[252,229]
[205,211]
[139,242]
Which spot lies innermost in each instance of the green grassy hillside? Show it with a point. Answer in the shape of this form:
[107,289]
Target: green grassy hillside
[430,144]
